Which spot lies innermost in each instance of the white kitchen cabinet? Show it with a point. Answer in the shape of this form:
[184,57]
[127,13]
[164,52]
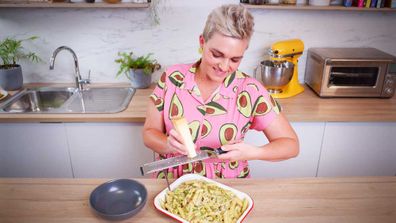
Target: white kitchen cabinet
[358,149]
[116,150]
[107,150]
[304,165]
[34,150]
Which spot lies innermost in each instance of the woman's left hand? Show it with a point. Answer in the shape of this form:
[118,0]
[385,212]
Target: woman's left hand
[238,150]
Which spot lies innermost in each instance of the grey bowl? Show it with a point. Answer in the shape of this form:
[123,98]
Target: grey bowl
[118,199]
[276,74]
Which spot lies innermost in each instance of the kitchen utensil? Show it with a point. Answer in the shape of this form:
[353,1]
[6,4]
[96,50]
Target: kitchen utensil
[166,178]
[176,161]
[276,75]
[187,177]
[3,93]
[282,53]
[118,199]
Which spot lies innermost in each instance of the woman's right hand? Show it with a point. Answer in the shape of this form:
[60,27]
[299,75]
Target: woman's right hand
[175,143]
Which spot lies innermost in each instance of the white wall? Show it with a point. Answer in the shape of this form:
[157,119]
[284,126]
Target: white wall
[96,35]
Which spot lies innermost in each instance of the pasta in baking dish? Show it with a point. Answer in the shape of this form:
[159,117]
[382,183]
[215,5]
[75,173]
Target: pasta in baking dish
[201,201]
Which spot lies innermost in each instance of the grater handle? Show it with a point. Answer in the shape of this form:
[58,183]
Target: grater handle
[219,151]
[141,171]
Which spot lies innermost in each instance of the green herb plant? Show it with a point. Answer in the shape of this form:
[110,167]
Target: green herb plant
[11,51]
[129,62]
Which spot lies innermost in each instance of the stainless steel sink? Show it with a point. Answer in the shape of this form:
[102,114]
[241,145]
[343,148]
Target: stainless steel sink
[100,100]
[38,100]
[69,100]
[78,99]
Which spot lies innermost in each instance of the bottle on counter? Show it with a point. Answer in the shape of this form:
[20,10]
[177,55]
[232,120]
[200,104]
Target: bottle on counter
[112,1]
[257,2]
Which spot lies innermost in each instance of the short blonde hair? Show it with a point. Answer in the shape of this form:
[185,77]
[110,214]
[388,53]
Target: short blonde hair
[230,20]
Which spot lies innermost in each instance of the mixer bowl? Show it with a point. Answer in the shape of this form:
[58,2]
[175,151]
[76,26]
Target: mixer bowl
[276,74]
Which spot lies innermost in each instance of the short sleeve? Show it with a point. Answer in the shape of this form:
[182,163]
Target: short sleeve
[158,94]
[265,108]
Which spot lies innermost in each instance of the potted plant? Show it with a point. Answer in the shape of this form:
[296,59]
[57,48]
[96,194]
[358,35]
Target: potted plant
[137,69]
[11,51]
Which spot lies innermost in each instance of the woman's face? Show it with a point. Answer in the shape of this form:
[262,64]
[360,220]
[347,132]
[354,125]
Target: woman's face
[221,56]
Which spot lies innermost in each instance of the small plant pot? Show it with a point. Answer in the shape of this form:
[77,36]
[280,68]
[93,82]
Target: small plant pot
[11,78]
[139,79]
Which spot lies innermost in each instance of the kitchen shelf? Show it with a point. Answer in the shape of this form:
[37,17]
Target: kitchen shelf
[317,8]
[74,5]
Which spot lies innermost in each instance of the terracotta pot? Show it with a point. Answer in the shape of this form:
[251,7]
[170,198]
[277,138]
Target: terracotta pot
[11,78]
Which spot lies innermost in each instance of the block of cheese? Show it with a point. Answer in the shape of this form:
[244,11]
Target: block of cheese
[181,126]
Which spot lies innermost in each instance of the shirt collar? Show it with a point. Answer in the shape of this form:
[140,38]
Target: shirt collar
[226,88]
[189,81]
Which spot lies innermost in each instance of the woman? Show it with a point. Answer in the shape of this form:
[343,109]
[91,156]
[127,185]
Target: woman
[220,104]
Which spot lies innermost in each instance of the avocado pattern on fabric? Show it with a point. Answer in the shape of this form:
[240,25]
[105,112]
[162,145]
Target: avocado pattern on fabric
[239,104]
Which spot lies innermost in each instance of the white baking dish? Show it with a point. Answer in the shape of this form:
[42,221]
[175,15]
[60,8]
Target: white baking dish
[188,177]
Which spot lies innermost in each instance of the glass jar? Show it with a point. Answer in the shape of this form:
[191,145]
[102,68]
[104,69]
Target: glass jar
[289,2]
[273,2]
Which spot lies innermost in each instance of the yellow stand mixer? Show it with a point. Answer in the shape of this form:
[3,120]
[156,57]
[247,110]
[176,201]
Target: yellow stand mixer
[290,51]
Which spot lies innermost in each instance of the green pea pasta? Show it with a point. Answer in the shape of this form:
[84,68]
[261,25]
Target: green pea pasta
[201,201]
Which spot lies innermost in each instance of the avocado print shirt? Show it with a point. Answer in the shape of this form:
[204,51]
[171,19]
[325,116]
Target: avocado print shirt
[239,104]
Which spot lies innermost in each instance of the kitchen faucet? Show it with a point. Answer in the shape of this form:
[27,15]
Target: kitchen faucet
[79,81]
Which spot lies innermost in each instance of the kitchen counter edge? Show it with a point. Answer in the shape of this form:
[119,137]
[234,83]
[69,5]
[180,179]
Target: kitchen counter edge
[305,107]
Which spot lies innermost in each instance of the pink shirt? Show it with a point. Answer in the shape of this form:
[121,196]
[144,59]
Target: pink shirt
[239,104]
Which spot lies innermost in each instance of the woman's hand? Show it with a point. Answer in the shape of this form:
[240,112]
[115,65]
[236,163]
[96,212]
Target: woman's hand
[175,143]
[238,150]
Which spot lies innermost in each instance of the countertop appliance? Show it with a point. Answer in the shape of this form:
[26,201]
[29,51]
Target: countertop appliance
[350,72]
[280,73]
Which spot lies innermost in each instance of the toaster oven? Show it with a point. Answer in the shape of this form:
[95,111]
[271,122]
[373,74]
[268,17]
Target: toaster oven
[350,72]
